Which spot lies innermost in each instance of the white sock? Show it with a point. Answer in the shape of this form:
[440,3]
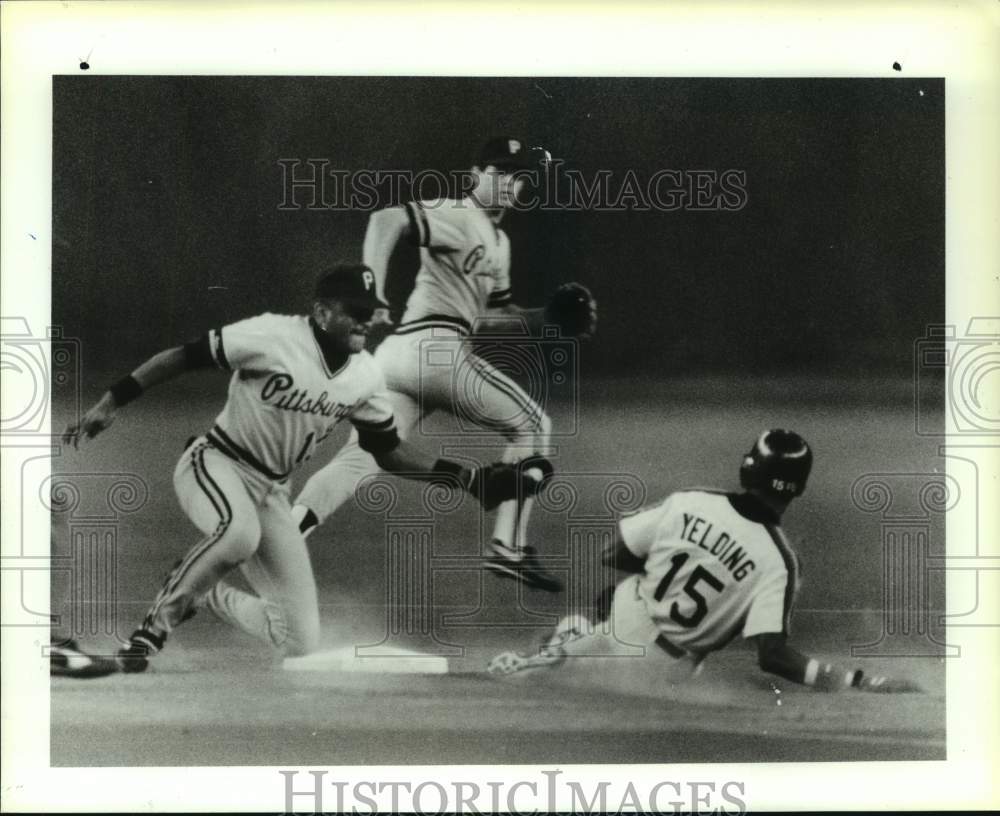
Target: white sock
[505,526]
[524,511]
[572,621]
[511,526]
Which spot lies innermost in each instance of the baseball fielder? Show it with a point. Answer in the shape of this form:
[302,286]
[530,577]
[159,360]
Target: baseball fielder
[709,566]
[464,274]
[294,378]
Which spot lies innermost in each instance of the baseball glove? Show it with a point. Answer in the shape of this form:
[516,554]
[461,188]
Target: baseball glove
[573,309]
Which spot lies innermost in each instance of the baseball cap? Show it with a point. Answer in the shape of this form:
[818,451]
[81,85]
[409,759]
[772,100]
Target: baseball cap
[351,283]
[511,153]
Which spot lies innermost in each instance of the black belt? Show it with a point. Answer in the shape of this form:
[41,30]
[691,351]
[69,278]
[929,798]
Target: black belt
[224,444]
[435,321]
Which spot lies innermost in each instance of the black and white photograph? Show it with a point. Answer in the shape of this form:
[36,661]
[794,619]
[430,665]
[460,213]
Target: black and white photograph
[508,420]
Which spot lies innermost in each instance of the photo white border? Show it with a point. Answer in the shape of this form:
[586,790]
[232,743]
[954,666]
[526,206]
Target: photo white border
[820,39]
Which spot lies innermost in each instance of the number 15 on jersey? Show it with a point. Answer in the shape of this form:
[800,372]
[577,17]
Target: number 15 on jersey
[699,576]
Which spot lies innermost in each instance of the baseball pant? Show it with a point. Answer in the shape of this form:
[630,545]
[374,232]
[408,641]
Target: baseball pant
[247,522]
[429,370]
[638,653]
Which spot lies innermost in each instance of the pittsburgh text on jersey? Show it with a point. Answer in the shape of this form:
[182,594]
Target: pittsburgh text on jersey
[280,391]
[284,399]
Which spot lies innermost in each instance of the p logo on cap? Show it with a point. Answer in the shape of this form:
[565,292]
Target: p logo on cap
[350,282]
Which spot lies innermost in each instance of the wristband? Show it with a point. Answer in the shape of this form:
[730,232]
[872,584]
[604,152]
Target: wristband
[827,677]
[445,467]
[125,390]
[536,461]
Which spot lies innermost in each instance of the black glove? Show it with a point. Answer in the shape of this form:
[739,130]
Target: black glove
[496,483]
[573,309]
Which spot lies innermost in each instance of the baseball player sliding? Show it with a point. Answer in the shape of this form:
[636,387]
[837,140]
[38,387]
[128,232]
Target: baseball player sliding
[464,275]
[709,566]
[294,378]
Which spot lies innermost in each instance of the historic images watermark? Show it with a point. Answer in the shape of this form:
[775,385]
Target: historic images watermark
[38,370]
[87,510]
[318,184]
[544,792]
[957,398]
[78,561]
[969,365]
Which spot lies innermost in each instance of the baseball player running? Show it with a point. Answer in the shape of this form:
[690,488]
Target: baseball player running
[464,274]
[709,566]
[294,378]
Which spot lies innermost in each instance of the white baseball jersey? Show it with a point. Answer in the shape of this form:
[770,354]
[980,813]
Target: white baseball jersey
[717,564]
[464,261]
[283,398]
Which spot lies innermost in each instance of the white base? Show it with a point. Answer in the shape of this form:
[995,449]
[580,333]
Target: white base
[390,661]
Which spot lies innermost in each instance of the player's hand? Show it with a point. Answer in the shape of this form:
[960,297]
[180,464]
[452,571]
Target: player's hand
[879,684]
[98,418]
[382,318]
[574,310]
[496,483]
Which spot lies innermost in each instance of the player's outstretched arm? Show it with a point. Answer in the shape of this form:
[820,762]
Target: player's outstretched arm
[490,484]
[776,656]
[157,369]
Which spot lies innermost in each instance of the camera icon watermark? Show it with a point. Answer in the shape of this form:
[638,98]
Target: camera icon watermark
[505,385]
[38,371]
[967,367]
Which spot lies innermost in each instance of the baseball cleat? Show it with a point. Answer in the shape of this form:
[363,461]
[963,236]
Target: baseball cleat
[66,659]
[570,628]
[513,662]
[133,659]
[142,645]
[549,654]
[520,564]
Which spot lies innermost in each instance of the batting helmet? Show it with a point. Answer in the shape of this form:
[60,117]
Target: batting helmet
[778,464]
[509,154]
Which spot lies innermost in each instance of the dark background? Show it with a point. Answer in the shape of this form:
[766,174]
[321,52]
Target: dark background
[166,219]
[800,310]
